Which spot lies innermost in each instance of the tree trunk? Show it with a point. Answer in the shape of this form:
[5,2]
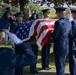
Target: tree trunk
[25,8]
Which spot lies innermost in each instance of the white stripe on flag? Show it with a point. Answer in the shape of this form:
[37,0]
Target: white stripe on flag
[43,24]
[39,40]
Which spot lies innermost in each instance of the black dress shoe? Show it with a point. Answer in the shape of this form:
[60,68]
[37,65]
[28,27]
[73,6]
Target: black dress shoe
[47,68]
[36,72]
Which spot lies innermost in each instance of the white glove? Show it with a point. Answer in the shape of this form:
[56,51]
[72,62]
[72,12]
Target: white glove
[13,37]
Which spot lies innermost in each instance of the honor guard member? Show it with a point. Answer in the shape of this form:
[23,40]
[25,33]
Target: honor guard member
[46,48]
[62,30]
[34,16]
[33,45]
[35,50]
[13,28]
[8,59]
[6,15]
[72,51]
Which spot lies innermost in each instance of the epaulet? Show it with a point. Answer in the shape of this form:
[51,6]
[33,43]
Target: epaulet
[14,22]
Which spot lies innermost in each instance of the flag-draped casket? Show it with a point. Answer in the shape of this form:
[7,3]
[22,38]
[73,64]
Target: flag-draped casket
[39,28]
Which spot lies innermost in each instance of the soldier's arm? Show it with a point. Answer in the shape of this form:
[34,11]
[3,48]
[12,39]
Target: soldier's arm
[26,59]
[54,35]
[73,28]
[70,33]
[13,28]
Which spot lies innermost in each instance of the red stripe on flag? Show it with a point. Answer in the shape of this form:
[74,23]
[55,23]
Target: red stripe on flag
[35,27]
[38,22]
[46,27]
[45,39]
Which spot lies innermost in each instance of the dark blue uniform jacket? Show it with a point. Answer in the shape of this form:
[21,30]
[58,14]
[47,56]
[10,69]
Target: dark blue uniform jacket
[61,35]
[73,38]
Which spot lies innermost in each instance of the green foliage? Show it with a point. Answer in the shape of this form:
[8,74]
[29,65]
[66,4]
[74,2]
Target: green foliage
[13,9]
[33,7]
[53,13]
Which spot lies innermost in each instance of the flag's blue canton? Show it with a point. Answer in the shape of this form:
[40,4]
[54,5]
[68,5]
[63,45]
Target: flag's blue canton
[23,31]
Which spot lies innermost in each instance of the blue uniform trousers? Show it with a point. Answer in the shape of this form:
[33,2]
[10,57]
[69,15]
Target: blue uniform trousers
[60,63]
[35,50]
[72,62]
[18,71]
[45,55]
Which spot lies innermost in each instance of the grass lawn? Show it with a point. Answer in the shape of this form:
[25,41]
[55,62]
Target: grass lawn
[51,64]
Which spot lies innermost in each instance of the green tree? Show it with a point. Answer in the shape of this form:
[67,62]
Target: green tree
[25,8]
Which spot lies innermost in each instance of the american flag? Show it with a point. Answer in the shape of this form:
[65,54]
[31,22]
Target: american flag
[40,28]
